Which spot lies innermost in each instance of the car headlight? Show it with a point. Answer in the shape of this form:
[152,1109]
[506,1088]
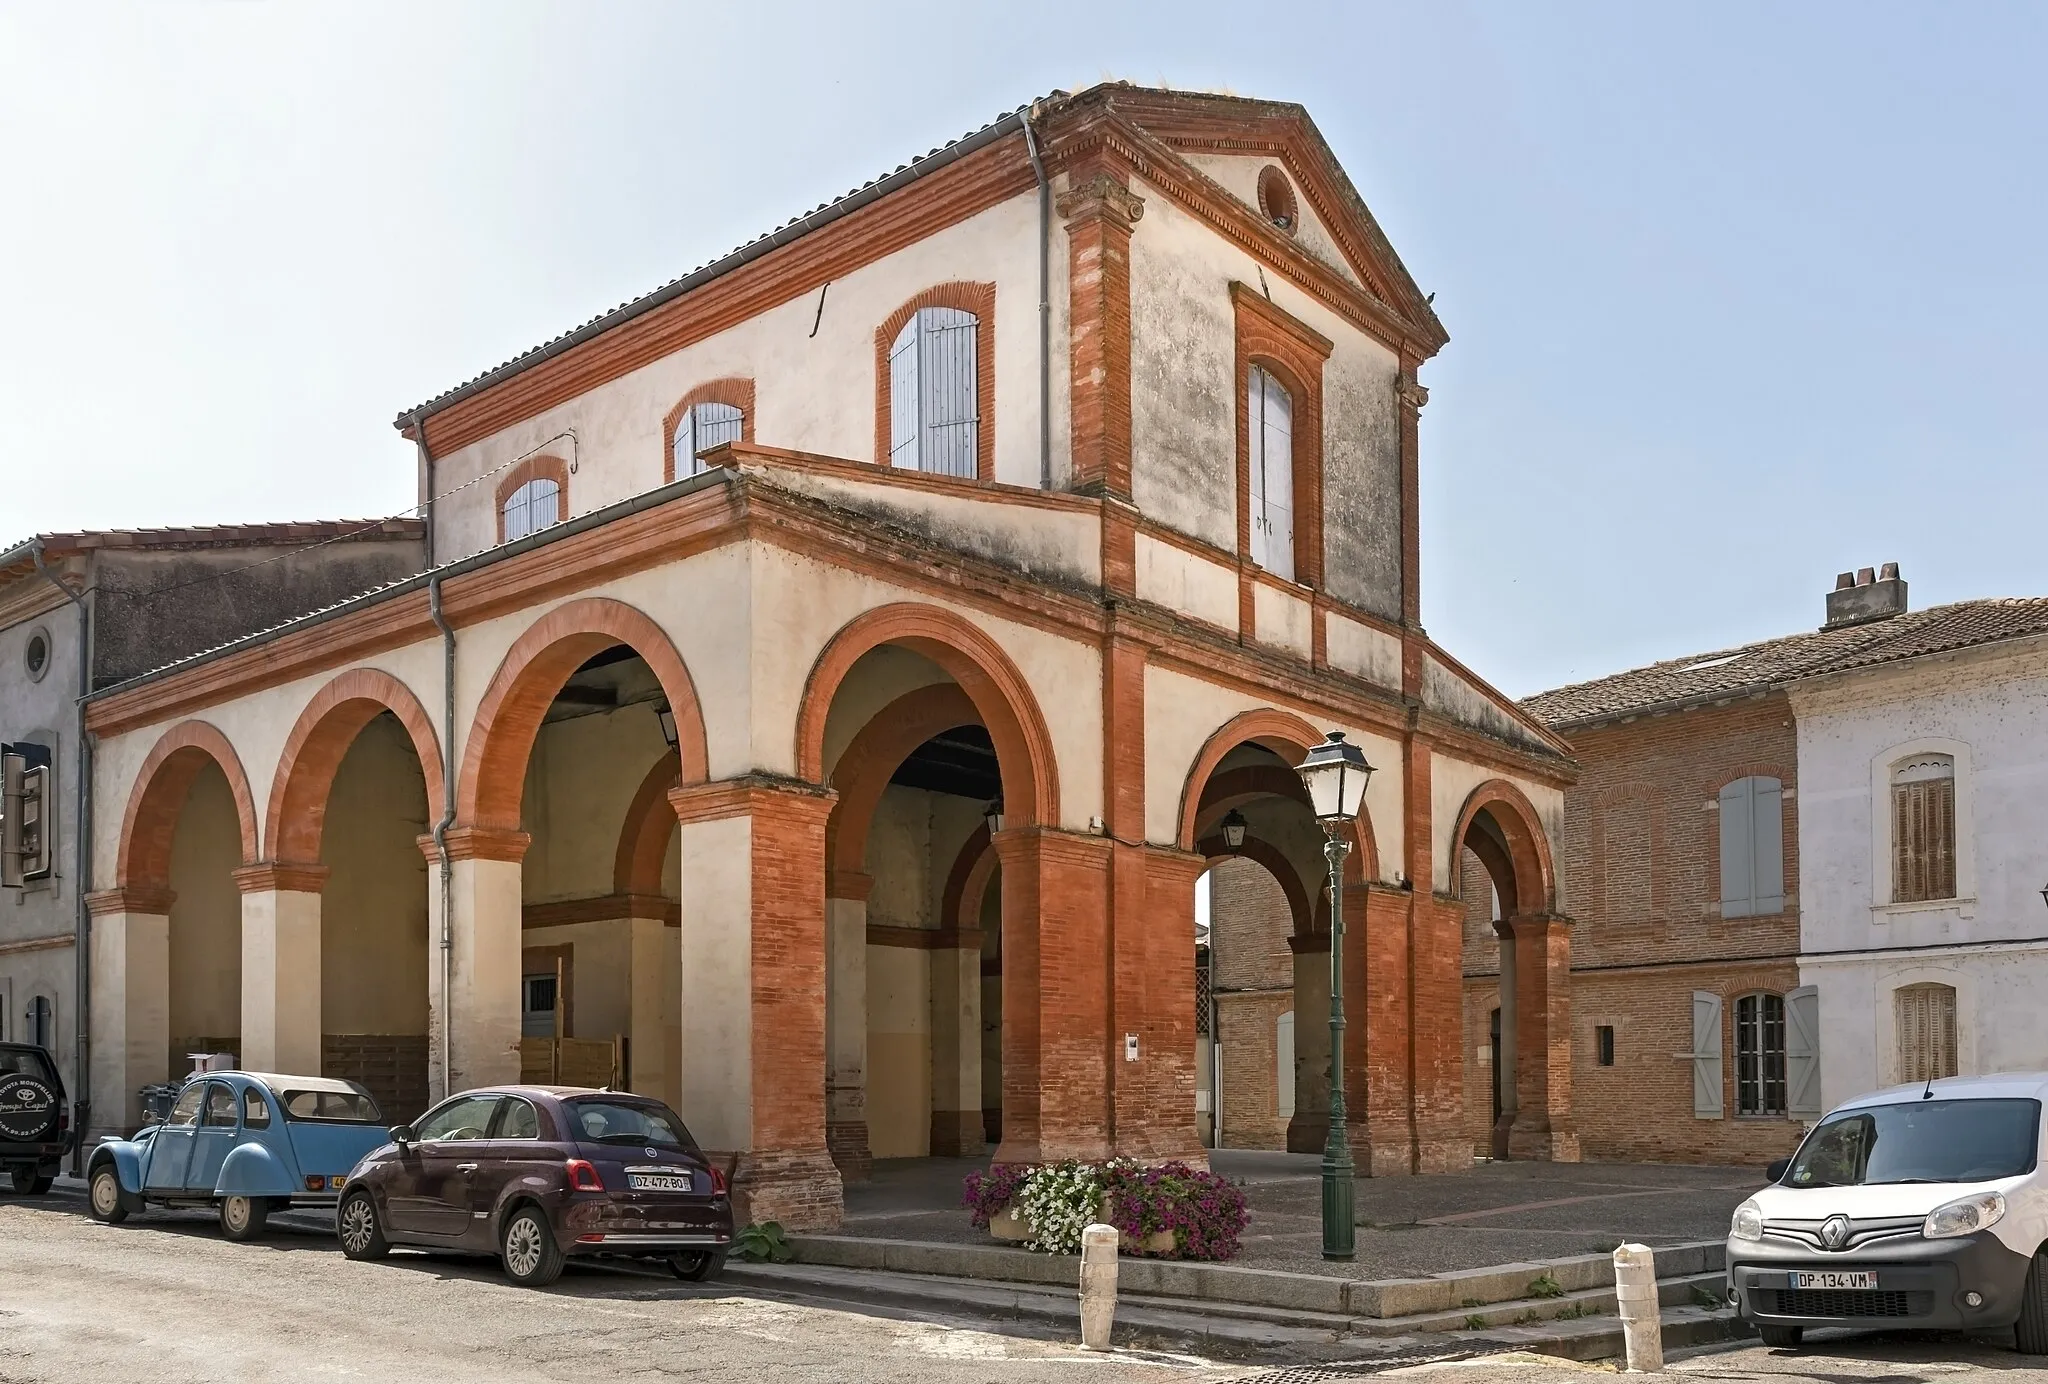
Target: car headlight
[1748,1223]
[1965,1217]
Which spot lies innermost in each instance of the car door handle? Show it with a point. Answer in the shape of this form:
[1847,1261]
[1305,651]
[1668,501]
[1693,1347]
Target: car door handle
[465,1167]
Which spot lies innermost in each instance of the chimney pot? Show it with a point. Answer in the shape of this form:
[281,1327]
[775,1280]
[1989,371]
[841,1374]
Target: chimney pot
[1862,596]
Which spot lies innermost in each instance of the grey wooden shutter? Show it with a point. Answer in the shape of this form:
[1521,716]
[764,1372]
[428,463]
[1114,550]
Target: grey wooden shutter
[1767,853]
[948,392]
[1802,1052]
[903,401]
[1706,1055]
[1738,850]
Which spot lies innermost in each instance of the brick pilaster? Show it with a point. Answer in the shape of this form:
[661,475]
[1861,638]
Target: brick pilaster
[1099,209]
[1543,1040]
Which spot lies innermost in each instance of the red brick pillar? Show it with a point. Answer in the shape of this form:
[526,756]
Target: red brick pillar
[1156,1000]
[1442,1143]
[1099,209]
[1376,1036]
[1542,1128]
[1056,995]
[1309,1129]
[753,938]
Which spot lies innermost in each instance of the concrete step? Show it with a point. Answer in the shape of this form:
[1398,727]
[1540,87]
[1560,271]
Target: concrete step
[1690,1290]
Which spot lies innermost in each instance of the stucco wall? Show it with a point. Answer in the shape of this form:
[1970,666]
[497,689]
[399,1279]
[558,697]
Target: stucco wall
[1184,406]
[206,919]
[373,913]
[811,393]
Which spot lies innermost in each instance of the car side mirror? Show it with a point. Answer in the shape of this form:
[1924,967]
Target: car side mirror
[403,1136]
[1777,1168]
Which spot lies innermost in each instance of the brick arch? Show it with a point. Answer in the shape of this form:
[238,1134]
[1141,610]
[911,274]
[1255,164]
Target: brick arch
[1001,697]
[183,752]
[650,822]
[979,299]
[967,883]
[735,390]
[1278,866]
[1288,736]
[1523,873]
[501,734]
[876,751]
[297,811]
[534,468]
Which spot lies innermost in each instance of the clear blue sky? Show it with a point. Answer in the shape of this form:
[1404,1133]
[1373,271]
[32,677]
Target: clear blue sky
[1740,295]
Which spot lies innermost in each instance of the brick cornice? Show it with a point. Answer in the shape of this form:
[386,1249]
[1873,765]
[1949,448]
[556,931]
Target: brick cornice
[129,900]
[754,794]
[924,938]
[478,843]
[1100,197]
[849,885]
[281,877]
[1054,845]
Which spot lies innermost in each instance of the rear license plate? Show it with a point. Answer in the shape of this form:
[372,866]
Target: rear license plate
[658,1182]
[1834,1280]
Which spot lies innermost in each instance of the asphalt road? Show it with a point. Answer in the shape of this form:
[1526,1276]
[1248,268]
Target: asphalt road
[164,1298]
[1833,1357]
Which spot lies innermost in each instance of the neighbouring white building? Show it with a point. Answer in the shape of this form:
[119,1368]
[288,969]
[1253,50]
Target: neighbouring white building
[1923,842]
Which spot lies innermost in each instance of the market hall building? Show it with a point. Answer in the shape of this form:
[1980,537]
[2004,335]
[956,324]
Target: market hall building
[832,674]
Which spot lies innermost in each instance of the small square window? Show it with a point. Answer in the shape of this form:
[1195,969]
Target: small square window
[1603,1039]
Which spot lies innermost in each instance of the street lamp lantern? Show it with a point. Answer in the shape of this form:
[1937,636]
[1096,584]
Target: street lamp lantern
[1234,826]
[993,814]
[666,715]
[1335,774]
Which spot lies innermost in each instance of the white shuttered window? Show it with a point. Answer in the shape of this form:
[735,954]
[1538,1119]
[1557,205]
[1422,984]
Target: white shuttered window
[1271,434]
[702,427]
[534,506]
[1706,1055]
[1925,1017]
[1752,848]
[934,394]
[1924,829]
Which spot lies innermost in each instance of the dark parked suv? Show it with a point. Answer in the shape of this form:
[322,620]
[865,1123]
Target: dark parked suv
[35,1127]
[536,1174]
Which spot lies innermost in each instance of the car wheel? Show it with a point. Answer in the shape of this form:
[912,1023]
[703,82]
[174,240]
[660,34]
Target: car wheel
[243,1218]
[104,1198]
[2030,1332]
[1782,1337]
[532,1259]
[30,1183]
[355,1225]
[699,1267]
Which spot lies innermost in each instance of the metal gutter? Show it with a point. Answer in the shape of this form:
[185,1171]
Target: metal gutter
[1002,128]
[568,528]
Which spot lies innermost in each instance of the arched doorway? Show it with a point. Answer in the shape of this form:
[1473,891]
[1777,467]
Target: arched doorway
[1251,908]
[1501,847]
[942,770]
[357,787]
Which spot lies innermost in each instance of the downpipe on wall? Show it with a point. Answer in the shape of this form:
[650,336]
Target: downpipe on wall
[1044,305]
[440,619]
[81,876]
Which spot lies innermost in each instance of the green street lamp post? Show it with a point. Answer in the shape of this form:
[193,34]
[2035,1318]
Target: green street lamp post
[1335,774]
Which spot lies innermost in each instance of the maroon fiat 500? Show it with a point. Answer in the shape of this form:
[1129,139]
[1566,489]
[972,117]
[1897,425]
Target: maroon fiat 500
[536,1175]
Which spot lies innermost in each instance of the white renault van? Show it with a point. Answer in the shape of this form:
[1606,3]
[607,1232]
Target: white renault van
[1922,1206]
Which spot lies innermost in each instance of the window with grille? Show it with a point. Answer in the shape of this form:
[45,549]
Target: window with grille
[934,394]
[1925,1017]
[1270,424]
[534,506]
[1603,1043]
[1205,992]
[1760,1055]
[702,427]
[1924,828]
[41,1025]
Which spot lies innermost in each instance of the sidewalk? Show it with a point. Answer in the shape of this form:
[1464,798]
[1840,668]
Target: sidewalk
[1407,1226]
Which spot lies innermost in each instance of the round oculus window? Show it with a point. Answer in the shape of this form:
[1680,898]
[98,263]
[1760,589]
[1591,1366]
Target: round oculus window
[37,654]
[1276,197]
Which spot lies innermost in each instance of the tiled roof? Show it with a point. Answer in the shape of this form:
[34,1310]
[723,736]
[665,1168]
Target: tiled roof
[1774,662]
[19,557]
[1003,125]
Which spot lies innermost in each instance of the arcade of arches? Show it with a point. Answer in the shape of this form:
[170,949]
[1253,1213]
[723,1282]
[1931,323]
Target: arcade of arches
[900,943]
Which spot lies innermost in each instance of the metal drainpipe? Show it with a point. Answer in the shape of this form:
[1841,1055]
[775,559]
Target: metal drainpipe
[81,878]
[419,432]
[1044,307]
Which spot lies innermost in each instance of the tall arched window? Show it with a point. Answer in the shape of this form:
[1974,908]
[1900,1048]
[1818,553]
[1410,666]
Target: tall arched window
[1924,1018]
[1271,429]
[535,504]
[702,427]
[934,393]
[1924,828]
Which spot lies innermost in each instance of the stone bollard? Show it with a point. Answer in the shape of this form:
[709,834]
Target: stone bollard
[1098,1285]
[1635,1295]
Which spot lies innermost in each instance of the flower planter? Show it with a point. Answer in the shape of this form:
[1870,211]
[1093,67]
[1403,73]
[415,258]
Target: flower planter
[1009,1224]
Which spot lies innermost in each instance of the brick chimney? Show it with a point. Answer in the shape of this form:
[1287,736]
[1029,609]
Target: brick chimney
[1860,597]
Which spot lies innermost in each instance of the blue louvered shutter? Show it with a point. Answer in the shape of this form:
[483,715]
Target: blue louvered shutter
[1738,851]
[1767,849]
